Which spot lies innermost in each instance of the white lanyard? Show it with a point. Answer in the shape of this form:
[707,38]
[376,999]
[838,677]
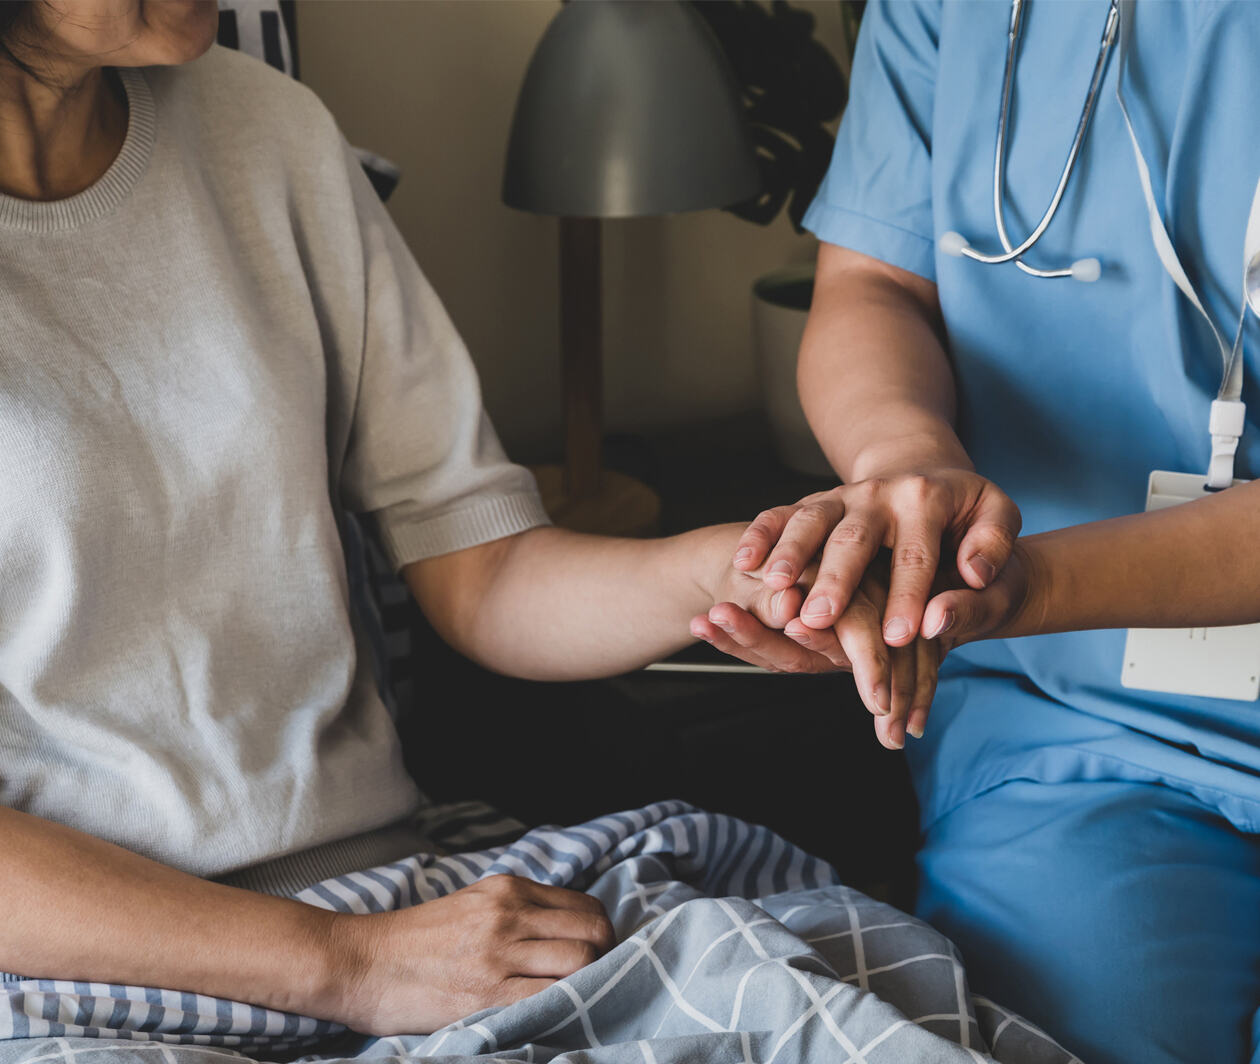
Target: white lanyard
[1228,414]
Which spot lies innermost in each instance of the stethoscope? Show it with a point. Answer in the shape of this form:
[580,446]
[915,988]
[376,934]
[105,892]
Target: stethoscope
[956,244]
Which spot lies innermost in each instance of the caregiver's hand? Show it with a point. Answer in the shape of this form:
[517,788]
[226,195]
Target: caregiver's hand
[915,515]
[489,944]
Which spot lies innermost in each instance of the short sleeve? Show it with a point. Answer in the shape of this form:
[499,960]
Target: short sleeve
[422,460]
[877,195]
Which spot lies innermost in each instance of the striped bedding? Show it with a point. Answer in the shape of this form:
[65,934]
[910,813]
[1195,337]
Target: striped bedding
[733,946]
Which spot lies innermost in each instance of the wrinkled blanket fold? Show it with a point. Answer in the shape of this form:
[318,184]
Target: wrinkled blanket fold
[734,946]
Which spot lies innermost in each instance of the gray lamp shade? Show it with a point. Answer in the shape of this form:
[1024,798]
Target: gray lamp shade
[628,108]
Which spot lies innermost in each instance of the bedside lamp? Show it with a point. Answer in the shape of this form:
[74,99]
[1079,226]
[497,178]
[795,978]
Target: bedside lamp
[628,109]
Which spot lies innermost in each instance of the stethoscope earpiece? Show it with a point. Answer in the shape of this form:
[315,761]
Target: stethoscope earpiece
[1087,270]
[956,246]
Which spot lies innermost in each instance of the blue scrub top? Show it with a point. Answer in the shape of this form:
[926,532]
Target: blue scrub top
[1069,393]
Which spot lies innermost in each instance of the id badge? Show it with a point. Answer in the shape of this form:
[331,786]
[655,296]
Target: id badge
[1208,662]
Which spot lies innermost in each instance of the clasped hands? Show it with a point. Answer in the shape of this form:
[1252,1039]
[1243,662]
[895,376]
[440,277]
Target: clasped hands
[881,578]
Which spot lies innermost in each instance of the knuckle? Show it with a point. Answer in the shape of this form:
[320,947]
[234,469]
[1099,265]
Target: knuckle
[592,903]
[761,525]
[1005,537]
[501,923]
[577,955]
[851,534]
[814,513]
[872,488]
[913,556]
[917,489]
[607,934]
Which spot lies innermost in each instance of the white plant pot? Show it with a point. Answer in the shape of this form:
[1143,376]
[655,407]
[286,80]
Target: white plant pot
[780,306]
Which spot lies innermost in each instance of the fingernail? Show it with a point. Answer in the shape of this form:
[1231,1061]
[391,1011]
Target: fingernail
[897,734]
[800,637]
[983,568]
[947,622]
[774,601]
[818,607]
[743,554]
[915,724]
[882,700]
[897,628]
[725,626]
[781,569]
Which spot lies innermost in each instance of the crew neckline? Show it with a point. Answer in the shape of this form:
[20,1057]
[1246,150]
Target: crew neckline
[101,197]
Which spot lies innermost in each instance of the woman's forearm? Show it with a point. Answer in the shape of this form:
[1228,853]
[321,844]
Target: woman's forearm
[1193,565]
[549,604]
[80,908]
[875,382]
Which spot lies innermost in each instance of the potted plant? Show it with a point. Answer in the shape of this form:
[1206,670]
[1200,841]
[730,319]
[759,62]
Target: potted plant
[793,88]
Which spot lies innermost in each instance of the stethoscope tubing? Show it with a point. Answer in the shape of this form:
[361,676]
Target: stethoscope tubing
[1012,253]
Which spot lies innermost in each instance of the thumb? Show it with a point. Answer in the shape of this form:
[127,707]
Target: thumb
[766,605]
[958,616]
[775,608]
[990,538]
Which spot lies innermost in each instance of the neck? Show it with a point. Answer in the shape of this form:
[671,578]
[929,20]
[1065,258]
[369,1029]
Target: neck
[58,133]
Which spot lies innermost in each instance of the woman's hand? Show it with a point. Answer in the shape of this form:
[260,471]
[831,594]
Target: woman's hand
[748,616]
[915,516]
[489,944]
[896,684]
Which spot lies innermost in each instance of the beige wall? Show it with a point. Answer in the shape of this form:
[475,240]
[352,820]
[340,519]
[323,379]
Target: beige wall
[431,84]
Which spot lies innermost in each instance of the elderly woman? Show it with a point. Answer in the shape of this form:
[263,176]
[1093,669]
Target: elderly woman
[215,347]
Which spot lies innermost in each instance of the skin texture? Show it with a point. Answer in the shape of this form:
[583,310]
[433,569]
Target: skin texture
[598,606]
[60,131]
[881,403]
[1175,568]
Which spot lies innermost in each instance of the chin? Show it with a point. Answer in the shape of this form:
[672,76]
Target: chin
[177,31]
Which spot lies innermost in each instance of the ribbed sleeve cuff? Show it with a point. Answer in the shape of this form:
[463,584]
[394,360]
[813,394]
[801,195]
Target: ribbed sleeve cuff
[293,873]
[880,240]
[485,520]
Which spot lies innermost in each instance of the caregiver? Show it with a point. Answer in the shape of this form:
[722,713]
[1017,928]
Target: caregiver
[215,346]
[1090,846]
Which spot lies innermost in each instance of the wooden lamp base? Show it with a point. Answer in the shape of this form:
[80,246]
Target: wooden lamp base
[619,505]
[581,495]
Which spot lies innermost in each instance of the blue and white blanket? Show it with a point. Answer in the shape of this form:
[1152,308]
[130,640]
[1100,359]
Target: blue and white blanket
[734,946]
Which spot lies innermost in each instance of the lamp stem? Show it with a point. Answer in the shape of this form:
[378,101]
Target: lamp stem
[580,343]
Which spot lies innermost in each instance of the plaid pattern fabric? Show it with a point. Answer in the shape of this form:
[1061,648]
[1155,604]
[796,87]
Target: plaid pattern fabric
[734,945]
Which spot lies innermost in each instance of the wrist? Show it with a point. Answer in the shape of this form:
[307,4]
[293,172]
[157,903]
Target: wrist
[338,955]
[1036,612]
[710,552]
[930,449]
